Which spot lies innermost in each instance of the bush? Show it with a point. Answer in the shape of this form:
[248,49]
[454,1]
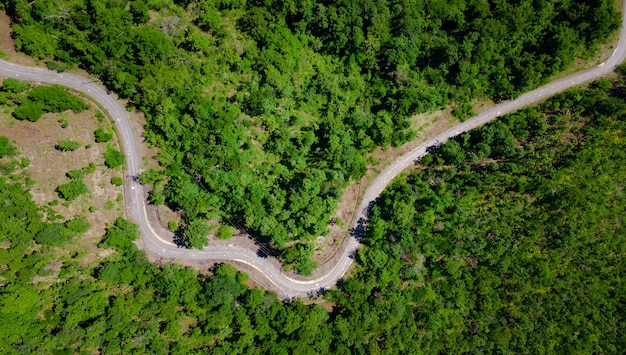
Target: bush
[6,148]
[225,232]
[77,225]
[113,158]
[117,181]
[172,225]
[13,86]
[52,65]
[604,84]
[56,98]
[101,136]
[52,234]
[28,110]
[72,190]
[67,145]
[463,111]
[79,173]
[120,235]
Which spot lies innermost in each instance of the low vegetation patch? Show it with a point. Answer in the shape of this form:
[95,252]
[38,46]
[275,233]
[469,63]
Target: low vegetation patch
[113,158]
[71,190]
[42,99]
[68,145]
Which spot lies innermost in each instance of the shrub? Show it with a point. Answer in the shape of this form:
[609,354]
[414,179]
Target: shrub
[52,65]
[56,98]
[67,145]
[72,190]
[6,148]
[117,181]
[101,136]
[13,86]
[195,235]
[77,225]
[225,232]
[79,173]
[28,110]
[113,158]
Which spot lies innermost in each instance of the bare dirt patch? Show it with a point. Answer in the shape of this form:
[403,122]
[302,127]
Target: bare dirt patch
[6,42]
[48,168]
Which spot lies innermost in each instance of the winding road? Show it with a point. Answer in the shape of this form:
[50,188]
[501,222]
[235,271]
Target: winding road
[267,271]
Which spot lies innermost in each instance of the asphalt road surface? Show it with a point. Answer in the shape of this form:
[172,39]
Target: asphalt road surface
[266,271]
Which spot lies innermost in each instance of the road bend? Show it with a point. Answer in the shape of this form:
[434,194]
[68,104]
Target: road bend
[266,270]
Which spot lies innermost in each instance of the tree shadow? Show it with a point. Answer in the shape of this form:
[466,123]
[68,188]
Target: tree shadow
[179,239]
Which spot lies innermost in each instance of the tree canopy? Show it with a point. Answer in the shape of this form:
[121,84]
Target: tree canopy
[508,250]
[264,110]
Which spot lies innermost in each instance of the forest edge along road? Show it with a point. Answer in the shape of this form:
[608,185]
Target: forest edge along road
[267,271]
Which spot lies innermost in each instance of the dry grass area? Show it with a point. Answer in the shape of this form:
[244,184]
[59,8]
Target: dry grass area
[48,166]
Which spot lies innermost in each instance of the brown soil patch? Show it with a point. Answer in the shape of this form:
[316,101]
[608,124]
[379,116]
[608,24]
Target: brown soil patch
[48,166]
[6,42]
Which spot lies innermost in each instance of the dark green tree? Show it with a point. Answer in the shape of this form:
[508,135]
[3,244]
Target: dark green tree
[195,235]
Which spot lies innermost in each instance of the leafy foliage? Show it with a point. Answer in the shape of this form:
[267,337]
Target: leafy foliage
[120,235]
[101,136]
[56,98]
[67,145]
[113,158]
[26,265]
[195,235]
[117,181]
[43,99]
[503,251]
[71,190]
[28,110]
[80,173]
[520,253]
[225,232]
[13,86]
[7,149]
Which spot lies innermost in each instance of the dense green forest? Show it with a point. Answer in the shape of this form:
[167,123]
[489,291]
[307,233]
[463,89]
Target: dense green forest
[508,239]
[263,110]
